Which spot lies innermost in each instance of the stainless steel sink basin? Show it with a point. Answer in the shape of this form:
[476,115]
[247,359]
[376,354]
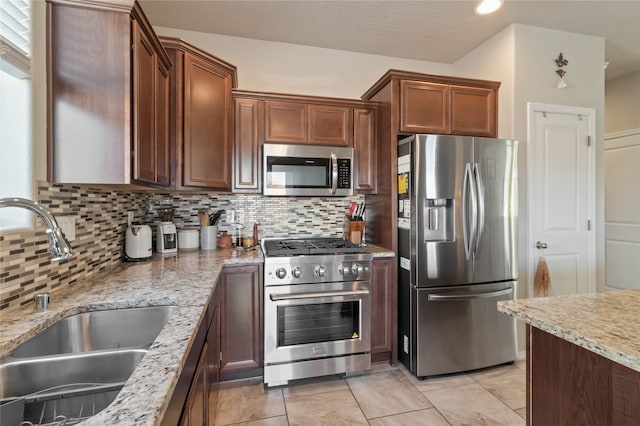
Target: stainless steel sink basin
[98,330]
[76,386]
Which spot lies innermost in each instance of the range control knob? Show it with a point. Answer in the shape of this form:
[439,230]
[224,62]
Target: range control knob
[319,271]
[343,269]
[357,269]
[296,272]
[281,273]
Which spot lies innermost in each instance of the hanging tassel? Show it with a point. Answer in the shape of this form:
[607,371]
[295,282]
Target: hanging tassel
[542,280]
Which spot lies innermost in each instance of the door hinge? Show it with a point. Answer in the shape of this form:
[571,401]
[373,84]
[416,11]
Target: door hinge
[589,140]
[589,225]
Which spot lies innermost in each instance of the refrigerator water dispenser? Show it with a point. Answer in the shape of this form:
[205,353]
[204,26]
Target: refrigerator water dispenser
[438,219]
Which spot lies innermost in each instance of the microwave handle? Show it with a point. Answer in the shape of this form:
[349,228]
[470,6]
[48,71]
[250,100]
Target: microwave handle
[334,172]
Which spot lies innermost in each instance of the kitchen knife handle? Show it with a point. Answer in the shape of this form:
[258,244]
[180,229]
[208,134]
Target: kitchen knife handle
[334,172]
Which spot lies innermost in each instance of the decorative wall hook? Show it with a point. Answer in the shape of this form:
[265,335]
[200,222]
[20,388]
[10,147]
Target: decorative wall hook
[561,61]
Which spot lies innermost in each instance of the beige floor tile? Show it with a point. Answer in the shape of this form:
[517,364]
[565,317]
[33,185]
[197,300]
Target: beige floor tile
[382,366]
[271,421]
[522,363]
[522,412]
[248,402]
[386,393]
[428,417]
[472,405]
[312,386]
[433,383]
[337,408]
[507,383]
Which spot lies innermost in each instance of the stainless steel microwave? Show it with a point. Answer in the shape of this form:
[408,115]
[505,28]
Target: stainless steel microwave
[307,170]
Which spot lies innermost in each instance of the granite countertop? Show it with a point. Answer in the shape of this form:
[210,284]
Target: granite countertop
[607,324]
[186,280]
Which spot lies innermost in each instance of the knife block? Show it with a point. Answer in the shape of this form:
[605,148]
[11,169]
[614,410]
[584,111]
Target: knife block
[353,230]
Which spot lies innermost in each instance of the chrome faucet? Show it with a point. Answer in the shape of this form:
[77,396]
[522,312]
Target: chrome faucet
[58,245]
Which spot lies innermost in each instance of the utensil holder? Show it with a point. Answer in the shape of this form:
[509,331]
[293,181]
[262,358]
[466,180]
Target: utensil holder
[353,230]
[208,237]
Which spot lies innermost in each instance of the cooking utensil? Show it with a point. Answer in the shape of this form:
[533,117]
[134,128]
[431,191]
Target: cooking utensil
[215,218]
[203,218]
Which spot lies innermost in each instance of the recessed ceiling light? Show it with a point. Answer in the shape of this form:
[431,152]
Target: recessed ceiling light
[485,7]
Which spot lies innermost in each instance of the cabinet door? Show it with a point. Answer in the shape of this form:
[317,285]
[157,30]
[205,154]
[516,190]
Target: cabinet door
[195,408]
[207,125]
[364,143]
[473,111]
[383,312]
[246,174]
[162,155]
[213,341]
[241,321]
[424,107]
[330,125]
[144,66]
[286,122]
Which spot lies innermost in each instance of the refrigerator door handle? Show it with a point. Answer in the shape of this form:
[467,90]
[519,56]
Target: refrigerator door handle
[469,230]
[480,216]
[448,298]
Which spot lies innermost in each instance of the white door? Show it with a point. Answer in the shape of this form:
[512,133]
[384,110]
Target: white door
[562,196]
[622,209]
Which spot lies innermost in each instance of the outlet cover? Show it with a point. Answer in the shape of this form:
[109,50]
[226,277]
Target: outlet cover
[68,226]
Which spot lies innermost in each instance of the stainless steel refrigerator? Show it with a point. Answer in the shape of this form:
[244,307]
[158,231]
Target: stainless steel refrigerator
[457,251]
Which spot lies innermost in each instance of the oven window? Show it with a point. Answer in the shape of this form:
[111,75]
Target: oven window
[315,323]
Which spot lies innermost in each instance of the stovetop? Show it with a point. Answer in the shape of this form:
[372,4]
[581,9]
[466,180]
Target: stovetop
[310,246]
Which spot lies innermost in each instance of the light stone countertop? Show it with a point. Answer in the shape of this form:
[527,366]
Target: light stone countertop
[607,324]
[186,280]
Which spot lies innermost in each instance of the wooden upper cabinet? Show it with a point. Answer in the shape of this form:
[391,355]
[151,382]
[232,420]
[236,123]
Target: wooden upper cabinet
[286,122]
[424,107]
[330,125]
[150,111]
[207,122]
[163,155]
[364,143]
[103,111]
[201,117]
[473,111]
[246,146]
[307,123]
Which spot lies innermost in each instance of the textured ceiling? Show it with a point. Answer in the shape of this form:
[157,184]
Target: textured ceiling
[436,31]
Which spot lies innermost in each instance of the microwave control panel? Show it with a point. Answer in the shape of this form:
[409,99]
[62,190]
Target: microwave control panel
[344,173]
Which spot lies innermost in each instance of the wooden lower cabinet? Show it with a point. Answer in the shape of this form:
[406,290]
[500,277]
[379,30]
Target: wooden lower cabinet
[570,385]
[384,322]
[195,397]
[241,322]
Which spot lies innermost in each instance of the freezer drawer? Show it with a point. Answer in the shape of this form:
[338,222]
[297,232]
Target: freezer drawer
[459,328]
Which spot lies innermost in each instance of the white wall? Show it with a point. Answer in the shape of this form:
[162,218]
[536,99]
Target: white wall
[622,103]
[266,66]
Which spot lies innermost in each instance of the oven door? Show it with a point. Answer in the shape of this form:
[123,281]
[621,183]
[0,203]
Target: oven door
[308,321]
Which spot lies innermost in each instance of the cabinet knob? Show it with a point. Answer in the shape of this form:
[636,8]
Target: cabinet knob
[540,245]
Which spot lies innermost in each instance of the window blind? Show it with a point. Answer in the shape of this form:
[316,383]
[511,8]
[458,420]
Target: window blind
[15,39]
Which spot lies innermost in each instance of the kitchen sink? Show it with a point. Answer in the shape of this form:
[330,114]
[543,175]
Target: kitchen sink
[76,386]
[98,330]
[77,366]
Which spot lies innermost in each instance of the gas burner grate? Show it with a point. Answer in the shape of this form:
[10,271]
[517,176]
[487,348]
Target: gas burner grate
[311,246]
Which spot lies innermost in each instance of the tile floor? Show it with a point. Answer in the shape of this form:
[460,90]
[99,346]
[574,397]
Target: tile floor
[388,396]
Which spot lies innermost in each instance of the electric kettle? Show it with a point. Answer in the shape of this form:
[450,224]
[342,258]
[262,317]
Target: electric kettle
[137,244]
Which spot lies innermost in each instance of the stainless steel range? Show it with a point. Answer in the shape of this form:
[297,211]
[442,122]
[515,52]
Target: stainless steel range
[317,309]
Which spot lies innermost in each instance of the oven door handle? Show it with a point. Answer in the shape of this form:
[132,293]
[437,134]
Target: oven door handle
[315,295]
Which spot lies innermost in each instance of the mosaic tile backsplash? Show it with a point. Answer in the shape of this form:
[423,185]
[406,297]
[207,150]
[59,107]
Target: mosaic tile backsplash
[101,219]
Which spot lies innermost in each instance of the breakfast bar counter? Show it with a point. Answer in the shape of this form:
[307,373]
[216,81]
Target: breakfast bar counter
[583,357]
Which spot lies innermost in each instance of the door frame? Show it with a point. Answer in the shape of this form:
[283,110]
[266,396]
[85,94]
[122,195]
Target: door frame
[590,115]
